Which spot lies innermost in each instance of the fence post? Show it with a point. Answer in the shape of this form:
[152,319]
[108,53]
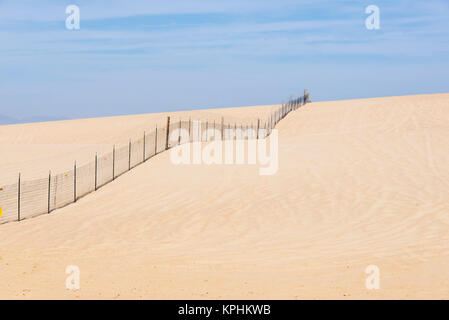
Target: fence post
[74,182]
[49,188]
[179,138]
[18,200]
[155,142]
[214,131]
[129,155]
[167,135]
[282,110]
[144,159]
[113,162]
[96,171]
[207,127]
[190,137]
[222,127]
[258,124]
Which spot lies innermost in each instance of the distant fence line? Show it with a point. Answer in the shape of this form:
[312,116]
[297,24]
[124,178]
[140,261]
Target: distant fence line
[26,199]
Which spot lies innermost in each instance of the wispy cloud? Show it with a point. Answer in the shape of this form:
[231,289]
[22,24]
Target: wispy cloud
[267,48]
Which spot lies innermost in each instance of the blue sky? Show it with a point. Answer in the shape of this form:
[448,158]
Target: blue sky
[152,56]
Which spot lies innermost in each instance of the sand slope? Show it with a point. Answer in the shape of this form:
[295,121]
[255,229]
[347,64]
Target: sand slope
[34,149]
[360,182]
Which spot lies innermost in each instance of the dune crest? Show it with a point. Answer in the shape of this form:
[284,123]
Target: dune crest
[360,183]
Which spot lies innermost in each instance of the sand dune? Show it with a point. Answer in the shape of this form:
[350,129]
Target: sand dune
[361,182]
[34,149]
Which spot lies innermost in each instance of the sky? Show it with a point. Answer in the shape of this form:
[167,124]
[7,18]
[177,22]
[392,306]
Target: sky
[134,56]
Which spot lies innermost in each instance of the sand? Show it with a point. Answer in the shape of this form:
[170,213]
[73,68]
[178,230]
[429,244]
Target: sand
[34,149]
[361,182]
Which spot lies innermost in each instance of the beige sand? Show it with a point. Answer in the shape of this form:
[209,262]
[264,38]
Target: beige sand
[34,149]
[360,182]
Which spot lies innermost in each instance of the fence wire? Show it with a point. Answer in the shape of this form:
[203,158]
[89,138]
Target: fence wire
[64,189]
[104,169]
[33,198]
[85,179]
[121,160]
[9,202]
